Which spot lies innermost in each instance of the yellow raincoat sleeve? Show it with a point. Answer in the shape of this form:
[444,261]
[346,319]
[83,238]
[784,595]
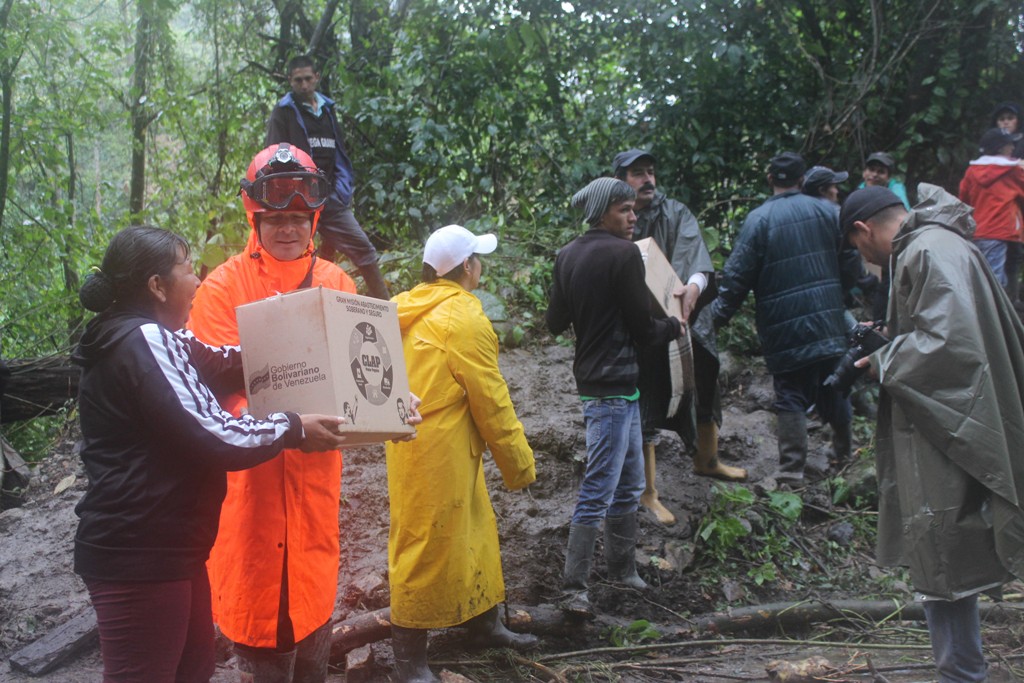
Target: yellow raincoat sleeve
[473,360]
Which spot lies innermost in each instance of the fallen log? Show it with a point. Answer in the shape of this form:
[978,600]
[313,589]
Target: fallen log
[67,641]
[544,620]
[783,616]
[38,387]
[80,632]
[359,630]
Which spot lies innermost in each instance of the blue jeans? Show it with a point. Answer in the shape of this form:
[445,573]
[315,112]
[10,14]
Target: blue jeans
[995,252]
[614,478]
[956,640]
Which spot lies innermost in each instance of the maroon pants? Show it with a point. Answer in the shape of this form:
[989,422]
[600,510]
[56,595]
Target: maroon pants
[155,632]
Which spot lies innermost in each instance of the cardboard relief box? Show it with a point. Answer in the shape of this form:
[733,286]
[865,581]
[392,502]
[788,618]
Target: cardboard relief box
[662,282]
[323,351]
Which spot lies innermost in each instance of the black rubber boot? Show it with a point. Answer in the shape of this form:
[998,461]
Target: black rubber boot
[487,630]
[578,557]
[842,444]
[312,654]
[791,430]
[375,285]
[264,665]
[410,648]
[620,550]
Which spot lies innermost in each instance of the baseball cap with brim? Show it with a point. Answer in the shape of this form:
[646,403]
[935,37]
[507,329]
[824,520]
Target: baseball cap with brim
[449,246]
[1011,107]
[821,176]
[994,140]
[865,203]
[787,167]
[627,158]
[883,158]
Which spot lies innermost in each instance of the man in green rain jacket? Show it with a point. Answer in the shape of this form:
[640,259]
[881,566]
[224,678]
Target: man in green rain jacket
[950,441]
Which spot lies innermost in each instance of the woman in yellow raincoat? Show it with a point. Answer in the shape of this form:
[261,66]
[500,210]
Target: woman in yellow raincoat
[443,557]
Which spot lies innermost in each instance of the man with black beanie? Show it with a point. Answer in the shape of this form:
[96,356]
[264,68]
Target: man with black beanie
[598,288]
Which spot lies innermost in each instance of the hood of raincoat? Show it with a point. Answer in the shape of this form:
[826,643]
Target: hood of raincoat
[988,170]
[936,208]
[423,298]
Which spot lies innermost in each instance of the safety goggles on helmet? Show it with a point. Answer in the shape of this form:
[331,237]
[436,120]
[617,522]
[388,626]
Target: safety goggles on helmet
[280,190]
[284,181]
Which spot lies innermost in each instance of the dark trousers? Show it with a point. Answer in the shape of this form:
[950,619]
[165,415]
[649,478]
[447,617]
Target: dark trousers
[797,391]
[339,229]
[155,632]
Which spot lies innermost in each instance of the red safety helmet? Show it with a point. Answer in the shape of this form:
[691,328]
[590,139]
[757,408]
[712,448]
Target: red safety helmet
[283,178]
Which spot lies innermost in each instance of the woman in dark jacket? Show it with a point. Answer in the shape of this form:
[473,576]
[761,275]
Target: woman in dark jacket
[156,446]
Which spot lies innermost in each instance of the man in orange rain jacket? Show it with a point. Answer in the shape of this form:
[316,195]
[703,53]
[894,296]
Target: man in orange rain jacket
[274,567]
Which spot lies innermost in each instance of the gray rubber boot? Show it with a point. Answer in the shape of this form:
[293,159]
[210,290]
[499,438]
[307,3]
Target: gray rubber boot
[487,630]
[312,654]
[264,665]
[620,550]
[410,648]
[842,444]
[578,557]
[791,430]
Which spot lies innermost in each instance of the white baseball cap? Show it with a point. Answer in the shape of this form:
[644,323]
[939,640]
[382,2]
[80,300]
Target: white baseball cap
[449,246]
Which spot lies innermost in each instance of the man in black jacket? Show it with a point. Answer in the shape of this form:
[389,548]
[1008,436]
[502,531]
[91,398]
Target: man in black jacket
[599,289]
[788,254]
[307,119]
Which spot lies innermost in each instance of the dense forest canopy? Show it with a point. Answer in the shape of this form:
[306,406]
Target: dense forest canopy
[488,113]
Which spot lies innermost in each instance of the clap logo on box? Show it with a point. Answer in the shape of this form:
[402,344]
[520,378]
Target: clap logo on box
[370,361]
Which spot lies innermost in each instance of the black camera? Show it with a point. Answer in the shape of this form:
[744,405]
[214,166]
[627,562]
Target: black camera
[864,340]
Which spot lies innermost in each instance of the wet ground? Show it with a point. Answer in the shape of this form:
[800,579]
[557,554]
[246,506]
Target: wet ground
[39,591]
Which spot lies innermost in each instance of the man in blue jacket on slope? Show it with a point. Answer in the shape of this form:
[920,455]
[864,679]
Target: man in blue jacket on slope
[788,253]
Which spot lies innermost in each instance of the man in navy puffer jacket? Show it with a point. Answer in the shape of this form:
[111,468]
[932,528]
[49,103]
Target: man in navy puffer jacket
[788,254]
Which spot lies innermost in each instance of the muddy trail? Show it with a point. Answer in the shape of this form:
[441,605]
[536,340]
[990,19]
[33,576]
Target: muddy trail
[38,590]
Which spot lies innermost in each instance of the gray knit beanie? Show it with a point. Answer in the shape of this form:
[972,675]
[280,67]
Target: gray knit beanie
[596,197]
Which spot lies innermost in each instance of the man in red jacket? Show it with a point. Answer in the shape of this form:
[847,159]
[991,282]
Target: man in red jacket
[994,186]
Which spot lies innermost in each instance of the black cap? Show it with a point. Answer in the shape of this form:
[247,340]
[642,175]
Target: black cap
[818,177]
[1011,107]
[884,158]
[865,203]
[787,167]
[994,140]
[626,159]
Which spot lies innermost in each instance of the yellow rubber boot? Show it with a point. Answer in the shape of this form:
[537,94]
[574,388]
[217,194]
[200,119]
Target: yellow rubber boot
[649,498]
[705,462]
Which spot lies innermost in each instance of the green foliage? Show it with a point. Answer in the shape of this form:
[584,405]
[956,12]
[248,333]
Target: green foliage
[636,633]
[741,531]
[35,439]
[487,114]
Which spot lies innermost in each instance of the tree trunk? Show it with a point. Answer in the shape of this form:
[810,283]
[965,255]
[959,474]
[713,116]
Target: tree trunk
[38,387]
[144,41]
[71,280]
[7,68]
